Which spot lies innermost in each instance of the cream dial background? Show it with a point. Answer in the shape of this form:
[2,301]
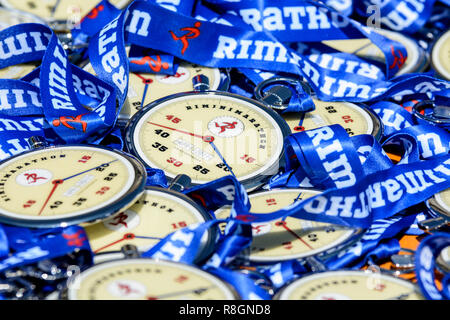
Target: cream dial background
[151,221]
[272,242]
[149,280]
[9,18]
[194,151]
[17,71]
[87,186]
[350,285]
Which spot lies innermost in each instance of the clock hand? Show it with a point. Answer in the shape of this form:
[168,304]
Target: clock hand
[149,238]
[284,225]
[299,195]
[361,48]
[204,138]
[56,183]
[178,293]
[146,82]
[211,143]
[126,236]
[402,296]
[52,13]
[80,173]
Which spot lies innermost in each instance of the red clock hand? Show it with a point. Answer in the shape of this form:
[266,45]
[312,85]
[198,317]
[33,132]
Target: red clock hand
[126,236]
[283,224]
[56,183]
[204,138]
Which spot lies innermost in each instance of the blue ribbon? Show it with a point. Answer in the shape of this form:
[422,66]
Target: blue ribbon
[426,254]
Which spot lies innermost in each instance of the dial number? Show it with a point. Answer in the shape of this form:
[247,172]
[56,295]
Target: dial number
[175,162]
[173,119]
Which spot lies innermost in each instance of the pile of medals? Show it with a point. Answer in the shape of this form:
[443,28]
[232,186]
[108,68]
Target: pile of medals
[218,149]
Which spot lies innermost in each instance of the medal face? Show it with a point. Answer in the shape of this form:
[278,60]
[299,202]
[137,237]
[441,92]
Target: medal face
[67,185]
[440,55]
[291,238]
[364,48]
[353,118]
[156,214]
[349,285]
[204,135]
[147,279]
[57,9]
[144,88]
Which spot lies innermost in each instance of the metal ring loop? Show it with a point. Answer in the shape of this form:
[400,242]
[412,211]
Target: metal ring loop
[418,107]
[259,94]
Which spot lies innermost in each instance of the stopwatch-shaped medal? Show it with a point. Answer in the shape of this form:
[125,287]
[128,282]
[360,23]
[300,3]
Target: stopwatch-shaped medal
[70,184]
[291,238]
[349,285]
[148,279]
[156,214]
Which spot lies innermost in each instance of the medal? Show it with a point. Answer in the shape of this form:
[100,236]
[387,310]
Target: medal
[148,279]
[156,214]
[291,238]
[70,184]
[440,55]
[207,135]
[349,285]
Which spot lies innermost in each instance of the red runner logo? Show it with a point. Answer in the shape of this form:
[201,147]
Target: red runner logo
[192,33]
[65,121]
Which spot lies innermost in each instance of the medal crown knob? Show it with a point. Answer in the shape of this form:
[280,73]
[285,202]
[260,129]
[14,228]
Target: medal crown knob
[36,142]
[130,251]
[200,83]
